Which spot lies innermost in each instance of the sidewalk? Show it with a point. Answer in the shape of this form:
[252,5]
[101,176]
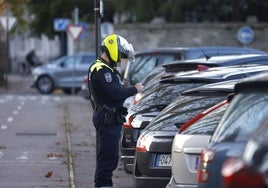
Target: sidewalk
[18,84]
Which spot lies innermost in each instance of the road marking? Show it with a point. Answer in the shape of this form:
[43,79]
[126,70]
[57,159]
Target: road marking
[69,147]
[24,156]
[1,154]
[10,119]
[3,127]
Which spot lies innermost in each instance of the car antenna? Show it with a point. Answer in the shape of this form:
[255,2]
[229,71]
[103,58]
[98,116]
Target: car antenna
[206,56]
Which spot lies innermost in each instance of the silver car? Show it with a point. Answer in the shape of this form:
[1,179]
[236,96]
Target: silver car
[65,73]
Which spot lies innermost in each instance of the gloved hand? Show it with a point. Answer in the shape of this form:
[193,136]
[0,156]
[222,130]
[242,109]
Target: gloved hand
[122,110]
[139,87]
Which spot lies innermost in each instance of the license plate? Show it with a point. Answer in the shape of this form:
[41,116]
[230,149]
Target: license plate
[163,160]
[196,162]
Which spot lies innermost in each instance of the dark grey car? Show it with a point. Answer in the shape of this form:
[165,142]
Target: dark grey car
[64,73]
[250,170]
[147,60]
[246,112]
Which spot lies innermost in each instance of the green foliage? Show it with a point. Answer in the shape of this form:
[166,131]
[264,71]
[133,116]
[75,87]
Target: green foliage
[38,15]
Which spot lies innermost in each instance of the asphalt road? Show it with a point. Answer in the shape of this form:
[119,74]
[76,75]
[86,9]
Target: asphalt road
[47,140]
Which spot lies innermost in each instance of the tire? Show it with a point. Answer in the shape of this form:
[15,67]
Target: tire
[45,85]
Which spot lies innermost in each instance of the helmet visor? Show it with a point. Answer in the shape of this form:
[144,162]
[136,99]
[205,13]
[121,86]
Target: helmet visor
[125,49]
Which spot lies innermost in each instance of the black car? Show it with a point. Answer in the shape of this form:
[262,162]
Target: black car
[168,89]
[146,60]
[246,112]
[152,163]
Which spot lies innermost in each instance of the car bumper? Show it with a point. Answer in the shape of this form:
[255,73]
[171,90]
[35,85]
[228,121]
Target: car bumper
[173,184]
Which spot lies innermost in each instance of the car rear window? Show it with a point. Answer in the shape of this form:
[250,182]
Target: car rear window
[162,95]
[243,117]
[185,108]
[207,124]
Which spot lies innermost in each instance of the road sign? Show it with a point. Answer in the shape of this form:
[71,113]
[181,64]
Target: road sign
[107,28]
[245,35]
[7,24]
[61,24]
[75,31]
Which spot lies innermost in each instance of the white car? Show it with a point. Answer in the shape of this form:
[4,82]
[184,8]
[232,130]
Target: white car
[188,144]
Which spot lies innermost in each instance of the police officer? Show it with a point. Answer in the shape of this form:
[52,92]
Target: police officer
[108,96]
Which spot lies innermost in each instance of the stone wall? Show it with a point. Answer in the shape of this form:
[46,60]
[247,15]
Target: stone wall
[146,36]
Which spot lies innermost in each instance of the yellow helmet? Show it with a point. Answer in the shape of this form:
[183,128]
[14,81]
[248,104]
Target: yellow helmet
[116,47]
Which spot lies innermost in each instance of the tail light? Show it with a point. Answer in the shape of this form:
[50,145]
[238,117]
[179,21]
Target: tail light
[85,79]
[128,123]
[140,146]
[206,157]
[236,173]
[202,67]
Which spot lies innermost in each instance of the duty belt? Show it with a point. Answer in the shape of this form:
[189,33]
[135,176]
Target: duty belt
[104,108]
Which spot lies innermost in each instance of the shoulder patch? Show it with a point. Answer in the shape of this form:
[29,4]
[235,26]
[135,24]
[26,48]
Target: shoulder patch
[108,77]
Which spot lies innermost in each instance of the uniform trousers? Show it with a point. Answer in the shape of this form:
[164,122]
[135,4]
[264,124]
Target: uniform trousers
[107,148]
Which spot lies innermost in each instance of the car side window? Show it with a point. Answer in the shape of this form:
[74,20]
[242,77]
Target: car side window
[69,62]
[87,60]
[143,68]
[245,114]
[165,58]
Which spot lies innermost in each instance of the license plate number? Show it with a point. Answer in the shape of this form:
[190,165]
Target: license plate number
[196,162]
[163,160]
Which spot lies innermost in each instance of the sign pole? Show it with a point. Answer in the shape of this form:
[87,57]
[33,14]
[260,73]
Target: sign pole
[97,26]
[7,48]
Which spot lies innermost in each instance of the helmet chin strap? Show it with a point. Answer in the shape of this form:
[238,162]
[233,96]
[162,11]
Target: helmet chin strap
[113,64]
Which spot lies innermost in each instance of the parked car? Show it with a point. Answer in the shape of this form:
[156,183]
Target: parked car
[152,163]
[168,89]
[188,143]
[146,60]
[251,169]
[244,115]
[65,73]
[168,69]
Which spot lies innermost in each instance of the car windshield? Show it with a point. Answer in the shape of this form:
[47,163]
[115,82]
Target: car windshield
[207,124]
[143,65]
[181,110]
[244,115]
[159,97]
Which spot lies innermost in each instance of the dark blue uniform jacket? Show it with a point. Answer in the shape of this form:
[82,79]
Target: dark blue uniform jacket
[105,85]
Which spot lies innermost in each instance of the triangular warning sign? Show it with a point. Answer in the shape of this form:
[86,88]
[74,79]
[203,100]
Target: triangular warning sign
[75,31]
[8,22]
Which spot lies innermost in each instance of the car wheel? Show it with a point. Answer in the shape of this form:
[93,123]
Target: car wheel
[45,85]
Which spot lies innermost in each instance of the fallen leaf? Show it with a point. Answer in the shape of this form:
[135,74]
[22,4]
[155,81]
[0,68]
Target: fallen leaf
[49,174]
